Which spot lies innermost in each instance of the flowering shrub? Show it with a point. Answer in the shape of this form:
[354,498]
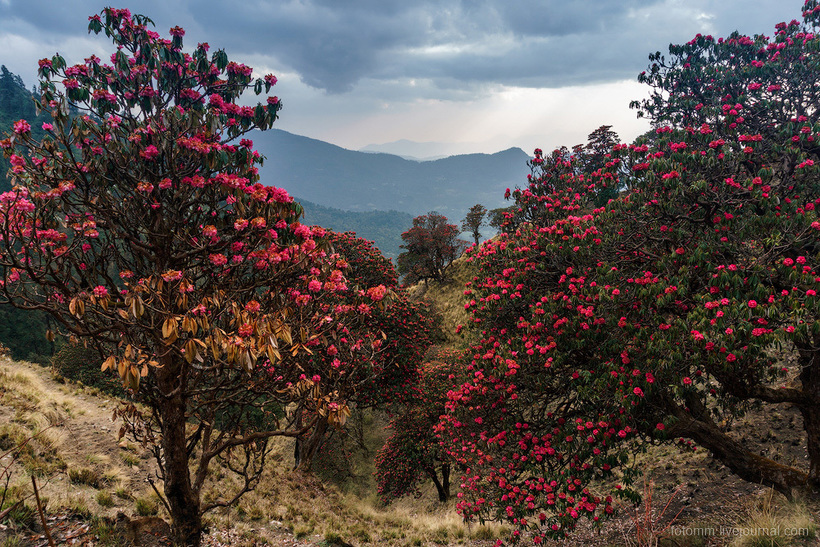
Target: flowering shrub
[139,224]
[412,451]
[372,355]
[653,317]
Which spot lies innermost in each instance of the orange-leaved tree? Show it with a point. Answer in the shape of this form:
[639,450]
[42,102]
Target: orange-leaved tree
[140,226]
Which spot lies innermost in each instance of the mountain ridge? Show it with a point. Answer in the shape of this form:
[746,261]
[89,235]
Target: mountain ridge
[332,176]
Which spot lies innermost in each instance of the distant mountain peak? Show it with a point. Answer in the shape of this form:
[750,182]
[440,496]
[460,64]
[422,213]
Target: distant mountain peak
[351,180]
[425,151]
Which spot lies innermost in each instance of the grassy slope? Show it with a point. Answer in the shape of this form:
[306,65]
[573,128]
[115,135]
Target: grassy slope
[87,477]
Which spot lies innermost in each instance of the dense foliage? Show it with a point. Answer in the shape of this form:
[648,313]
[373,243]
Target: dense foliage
[22,332]
[656,317]
[140,227]
[413,452]
[391,336]
[430,246]
[16,102]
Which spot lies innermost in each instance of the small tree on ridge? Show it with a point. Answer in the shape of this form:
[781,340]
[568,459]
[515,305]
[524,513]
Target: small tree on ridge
[431,246]
[474,220]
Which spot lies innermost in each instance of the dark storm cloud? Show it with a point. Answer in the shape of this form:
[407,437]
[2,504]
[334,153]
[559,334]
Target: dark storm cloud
[334,45]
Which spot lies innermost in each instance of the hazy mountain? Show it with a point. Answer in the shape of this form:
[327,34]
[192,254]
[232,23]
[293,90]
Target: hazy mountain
[358,181]
[425,151]
[412,150]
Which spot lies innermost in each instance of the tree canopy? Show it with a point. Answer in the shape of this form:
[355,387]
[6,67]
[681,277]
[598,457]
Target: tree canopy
[430,246]
[657,316]
[140,225]
[474,220]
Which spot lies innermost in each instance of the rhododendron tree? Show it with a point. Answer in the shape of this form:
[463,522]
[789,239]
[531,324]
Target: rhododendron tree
[140,226]
[431,246]
[369,362]
[658,317]
[413,452]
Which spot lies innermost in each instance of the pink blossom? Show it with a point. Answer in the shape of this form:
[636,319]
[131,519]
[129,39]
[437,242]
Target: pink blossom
[377,293]
[100,291]
[150,152]
[21,126]
[218,259]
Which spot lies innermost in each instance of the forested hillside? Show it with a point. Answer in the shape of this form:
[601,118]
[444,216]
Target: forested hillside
[16,103]
[382,227]
[21,332]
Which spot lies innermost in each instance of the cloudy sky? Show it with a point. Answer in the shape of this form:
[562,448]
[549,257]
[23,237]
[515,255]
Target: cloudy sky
[478,75]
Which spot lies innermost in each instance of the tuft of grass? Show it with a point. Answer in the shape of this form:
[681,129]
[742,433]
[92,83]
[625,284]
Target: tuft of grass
[301,532]
[77,507]
[105,499]
[37,456]
[104,532]
[772,522]
[85,475]
[362,534]
[130,459]
[122,493]
[23,515]
[12,541]
[483,533]
[146,506]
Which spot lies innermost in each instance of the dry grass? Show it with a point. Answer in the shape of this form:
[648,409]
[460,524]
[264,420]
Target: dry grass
[310,510]
[447,299]
[770,521]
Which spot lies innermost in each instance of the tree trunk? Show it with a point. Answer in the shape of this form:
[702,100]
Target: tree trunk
[734,455]
[442,486]
[445,478]
[306,448]
[183,499]
[811,423]
[810,378]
